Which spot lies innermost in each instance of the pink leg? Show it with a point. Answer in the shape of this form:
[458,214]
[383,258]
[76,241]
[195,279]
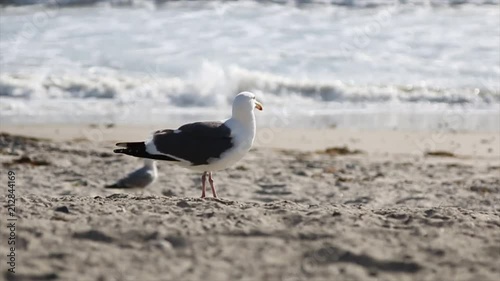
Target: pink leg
[211,181]
[203,187]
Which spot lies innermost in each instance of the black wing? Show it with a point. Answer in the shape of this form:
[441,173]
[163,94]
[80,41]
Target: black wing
[195,142]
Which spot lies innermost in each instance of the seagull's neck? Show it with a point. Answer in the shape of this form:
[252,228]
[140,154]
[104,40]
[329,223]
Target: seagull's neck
[246,119]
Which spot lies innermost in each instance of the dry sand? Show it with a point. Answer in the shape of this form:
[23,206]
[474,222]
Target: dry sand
[289,211]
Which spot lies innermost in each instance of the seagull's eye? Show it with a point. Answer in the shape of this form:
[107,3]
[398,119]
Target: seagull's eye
[253,98]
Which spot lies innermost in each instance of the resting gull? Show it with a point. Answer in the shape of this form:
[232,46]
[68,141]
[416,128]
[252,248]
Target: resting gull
[203,146]
[139,178]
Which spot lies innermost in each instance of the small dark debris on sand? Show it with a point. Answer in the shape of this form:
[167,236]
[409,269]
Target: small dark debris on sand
[177,241]
[183,204]
[94,235]
[439,153]
[483,189]
[344,150]
[18,138]
[62,209]
[331,254]
[30,161]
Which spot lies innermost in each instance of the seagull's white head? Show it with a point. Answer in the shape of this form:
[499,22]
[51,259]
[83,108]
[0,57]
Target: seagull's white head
[244,103]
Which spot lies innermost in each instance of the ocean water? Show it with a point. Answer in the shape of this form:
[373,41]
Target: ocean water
[357,64]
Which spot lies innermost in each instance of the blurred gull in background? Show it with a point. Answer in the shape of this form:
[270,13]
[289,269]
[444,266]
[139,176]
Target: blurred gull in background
[139,178]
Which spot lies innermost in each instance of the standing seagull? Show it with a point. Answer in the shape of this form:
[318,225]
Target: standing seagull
[139,178]
[203,146]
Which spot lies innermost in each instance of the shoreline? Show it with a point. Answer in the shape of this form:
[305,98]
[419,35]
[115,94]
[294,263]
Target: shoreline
[467,144]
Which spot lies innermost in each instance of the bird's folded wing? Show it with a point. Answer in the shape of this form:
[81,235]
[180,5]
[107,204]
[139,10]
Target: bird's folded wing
[196,143]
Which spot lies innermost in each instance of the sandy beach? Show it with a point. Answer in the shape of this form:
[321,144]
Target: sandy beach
[302,205]
[376,155]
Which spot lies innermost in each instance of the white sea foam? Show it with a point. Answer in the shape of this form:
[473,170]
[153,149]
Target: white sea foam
[110,96]
[130,64]
[216,85]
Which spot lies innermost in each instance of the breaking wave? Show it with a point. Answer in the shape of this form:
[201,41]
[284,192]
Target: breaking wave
[216,85]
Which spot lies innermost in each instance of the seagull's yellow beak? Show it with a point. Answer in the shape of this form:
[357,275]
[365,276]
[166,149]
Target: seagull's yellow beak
[258,105]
